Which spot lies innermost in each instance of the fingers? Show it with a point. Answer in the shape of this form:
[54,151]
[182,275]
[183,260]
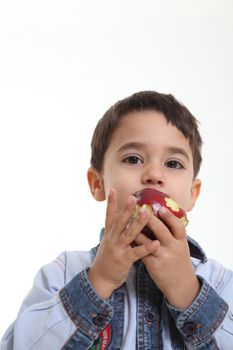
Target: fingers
[111,211]
[161,231]
[134,228]
[175,225]
[118,222]
[142,239]
[126,214]
[144,250]
[166,227]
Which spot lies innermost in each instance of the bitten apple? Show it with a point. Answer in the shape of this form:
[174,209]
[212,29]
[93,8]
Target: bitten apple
[153,200]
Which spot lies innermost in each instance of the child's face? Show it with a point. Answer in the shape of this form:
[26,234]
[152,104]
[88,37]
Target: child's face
[146,151]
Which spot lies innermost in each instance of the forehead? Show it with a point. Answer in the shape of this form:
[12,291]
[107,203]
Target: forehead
[147,125]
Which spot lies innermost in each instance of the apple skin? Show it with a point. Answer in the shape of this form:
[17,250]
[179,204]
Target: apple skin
[153,200]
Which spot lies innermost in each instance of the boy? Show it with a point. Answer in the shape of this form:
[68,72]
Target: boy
[132,292]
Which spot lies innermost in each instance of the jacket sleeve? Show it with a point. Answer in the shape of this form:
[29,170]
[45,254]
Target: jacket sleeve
[208,322]
[57,313]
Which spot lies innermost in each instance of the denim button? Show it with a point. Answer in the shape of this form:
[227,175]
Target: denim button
[99,320]
[150,316]
[191,328]
[189,338]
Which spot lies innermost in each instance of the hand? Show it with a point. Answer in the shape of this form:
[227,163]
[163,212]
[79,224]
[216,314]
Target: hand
[170,265]
[116,252]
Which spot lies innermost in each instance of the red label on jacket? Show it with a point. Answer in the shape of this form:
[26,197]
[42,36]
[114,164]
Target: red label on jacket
[103,340]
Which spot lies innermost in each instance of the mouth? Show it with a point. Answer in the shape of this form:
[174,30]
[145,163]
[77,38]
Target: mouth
[150,194]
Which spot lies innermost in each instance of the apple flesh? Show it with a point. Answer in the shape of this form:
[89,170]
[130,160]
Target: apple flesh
[153,200]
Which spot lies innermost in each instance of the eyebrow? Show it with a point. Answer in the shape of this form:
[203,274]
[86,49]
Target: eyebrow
[129,145]
[142,145]
[178,150]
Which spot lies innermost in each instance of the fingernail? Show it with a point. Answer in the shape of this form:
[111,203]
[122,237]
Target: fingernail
[163,210]
[143,212]
[131,200]
[110,193]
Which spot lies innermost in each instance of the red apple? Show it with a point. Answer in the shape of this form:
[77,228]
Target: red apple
[154,200]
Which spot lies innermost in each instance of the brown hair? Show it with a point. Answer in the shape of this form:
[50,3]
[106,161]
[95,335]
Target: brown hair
[175,113]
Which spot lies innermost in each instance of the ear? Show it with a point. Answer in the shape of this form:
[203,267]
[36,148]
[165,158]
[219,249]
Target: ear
[195,191]
[96,184]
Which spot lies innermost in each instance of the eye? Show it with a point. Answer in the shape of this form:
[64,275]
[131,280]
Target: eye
[132,160]
[174,164]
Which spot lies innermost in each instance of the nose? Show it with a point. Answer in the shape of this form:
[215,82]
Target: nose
[153,175]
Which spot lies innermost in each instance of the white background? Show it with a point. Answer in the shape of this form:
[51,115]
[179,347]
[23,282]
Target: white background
[62,64]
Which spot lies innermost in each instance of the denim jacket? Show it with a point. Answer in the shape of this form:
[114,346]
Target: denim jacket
[63,311]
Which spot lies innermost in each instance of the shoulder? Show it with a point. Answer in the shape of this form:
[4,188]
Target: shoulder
[73,262]
[217,275]
[69,258]
[63,268]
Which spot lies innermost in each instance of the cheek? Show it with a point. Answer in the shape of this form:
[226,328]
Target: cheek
[182,193]
[123,189]
[185,202]
[182,198]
